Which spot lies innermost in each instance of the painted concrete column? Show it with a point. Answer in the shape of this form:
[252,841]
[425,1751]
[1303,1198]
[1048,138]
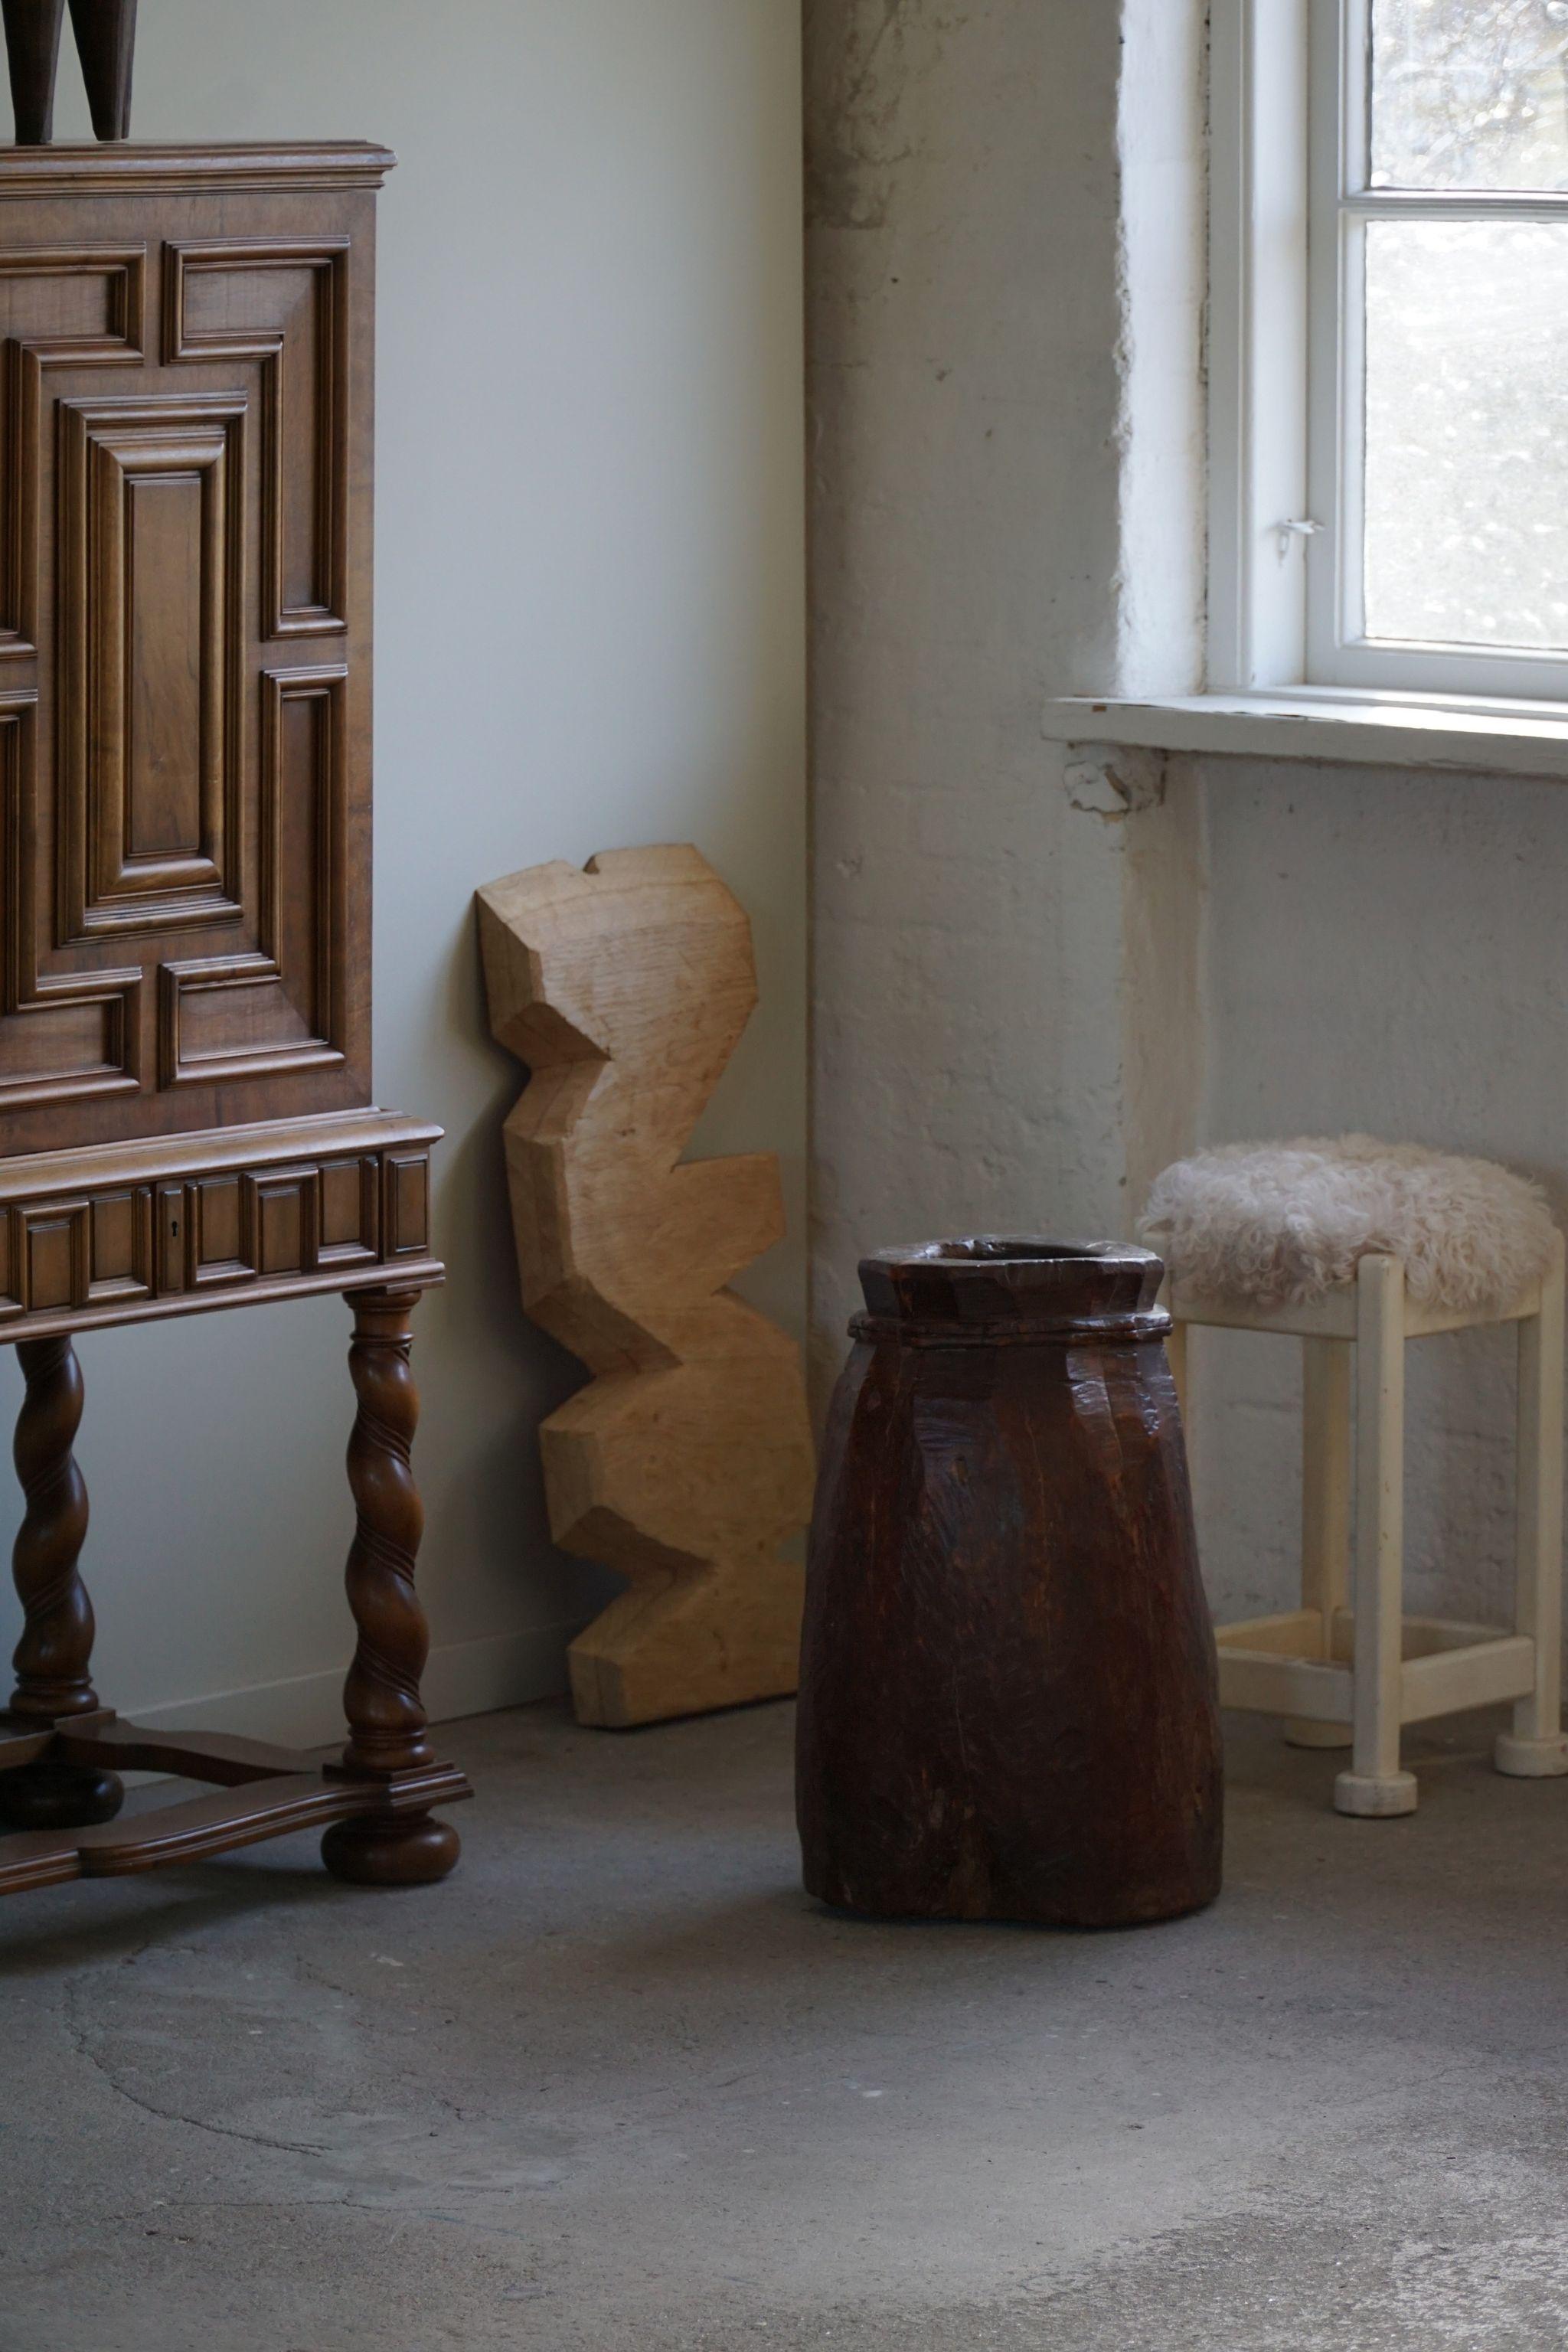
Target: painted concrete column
[1006,968]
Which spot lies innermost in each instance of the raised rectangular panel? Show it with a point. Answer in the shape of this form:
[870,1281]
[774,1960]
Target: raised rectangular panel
[224,1017]
[113,1236]
[10,1303]
[68,1033]
[282,301]
[55,1043]
[216,1221]
[276,1007]
[350,1221]
[152,654]
[281,1221]
[57,1262]
[408,1194]
[122,1244]
[60,307]
[171,786]
[304,819]
[215,1251]
[340,1196]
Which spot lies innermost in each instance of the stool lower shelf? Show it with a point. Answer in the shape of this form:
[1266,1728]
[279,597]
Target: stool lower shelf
[1301,1666]
[1286,1666]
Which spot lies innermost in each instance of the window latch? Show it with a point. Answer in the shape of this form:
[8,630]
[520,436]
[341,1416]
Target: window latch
[1291,530]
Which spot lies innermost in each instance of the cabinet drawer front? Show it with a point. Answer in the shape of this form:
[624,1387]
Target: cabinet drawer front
[231,1231]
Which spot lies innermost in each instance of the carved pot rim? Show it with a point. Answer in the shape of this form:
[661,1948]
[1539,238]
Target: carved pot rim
[997,1287]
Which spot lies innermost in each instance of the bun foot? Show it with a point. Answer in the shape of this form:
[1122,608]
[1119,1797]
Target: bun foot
[58,1797]
[1531,1760]
[1375,1796]
[384,1850]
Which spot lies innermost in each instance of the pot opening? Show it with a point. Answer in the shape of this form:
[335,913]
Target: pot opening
[1010,1278]
[1000,1249]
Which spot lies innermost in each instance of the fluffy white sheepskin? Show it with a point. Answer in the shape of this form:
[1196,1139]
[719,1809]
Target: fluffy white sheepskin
[1275,1222]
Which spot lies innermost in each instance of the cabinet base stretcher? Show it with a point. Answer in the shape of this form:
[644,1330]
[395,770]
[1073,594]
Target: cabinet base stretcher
[260,1791]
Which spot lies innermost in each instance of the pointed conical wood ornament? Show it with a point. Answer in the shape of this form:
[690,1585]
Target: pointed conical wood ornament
[33,48]
[106,42]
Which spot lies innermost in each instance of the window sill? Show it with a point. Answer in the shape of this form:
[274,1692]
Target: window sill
[1474,736]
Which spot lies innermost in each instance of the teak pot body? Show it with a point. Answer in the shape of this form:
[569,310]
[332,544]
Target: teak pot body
[1008,1699]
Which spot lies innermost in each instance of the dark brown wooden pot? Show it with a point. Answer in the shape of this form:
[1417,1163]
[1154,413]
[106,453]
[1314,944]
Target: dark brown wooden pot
[1008,1698]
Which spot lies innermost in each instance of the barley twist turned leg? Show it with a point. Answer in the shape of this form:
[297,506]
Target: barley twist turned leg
[54,1656]
[386,1716]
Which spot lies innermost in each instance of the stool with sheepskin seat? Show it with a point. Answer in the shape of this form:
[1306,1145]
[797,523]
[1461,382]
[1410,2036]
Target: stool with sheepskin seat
[1353,1244]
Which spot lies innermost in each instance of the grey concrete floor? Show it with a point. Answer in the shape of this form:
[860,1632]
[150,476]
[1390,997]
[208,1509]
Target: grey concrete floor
[619,2084]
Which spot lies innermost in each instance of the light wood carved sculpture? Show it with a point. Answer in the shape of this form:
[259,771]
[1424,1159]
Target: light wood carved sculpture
[688,1460]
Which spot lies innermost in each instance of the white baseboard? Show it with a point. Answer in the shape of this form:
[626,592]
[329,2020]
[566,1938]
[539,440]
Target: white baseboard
[464,1679]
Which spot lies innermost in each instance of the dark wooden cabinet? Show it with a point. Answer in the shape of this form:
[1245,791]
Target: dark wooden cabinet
[186,396]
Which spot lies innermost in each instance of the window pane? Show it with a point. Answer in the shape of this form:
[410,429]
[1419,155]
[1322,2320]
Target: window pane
[1470,94]
[1466,432]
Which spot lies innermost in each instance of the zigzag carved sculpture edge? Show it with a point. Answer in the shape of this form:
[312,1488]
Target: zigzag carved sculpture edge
[687,1460]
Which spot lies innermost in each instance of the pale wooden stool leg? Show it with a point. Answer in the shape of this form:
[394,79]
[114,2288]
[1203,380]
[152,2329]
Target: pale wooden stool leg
[1375,1786]
[1535,1749]
[1325,1509]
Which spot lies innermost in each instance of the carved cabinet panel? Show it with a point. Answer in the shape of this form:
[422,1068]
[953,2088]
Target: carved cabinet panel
[185,393]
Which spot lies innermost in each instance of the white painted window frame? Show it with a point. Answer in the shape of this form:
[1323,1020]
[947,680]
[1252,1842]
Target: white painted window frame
[1290,204]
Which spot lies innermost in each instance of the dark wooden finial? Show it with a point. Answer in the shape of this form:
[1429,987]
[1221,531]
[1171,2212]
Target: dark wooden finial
[106,41]
[33,48]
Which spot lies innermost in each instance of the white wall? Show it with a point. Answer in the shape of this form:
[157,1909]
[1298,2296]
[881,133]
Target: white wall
[1024,1004]
[1385,952]
[589,587]
[983,1056]
[963,320]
